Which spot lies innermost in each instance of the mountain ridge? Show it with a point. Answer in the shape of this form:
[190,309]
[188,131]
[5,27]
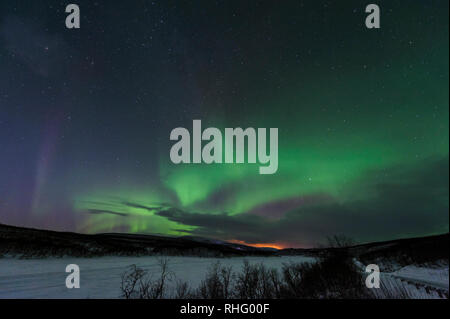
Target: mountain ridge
[25,242]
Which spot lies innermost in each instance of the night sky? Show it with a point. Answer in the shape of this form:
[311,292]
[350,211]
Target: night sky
[363,118]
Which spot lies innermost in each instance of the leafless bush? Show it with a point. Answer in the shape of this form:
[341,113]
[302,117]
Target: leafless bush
[277,282]
[340,241]
[291,283]
[217,284]
[257,282]
[247,282]
[182,290]
[158,288]
[138,283]
[131,280]
[335,276]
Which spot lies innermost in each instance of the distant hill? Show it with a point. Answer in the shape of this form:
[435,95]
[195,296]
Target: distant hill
[28,243]
[35,243]
[420,250]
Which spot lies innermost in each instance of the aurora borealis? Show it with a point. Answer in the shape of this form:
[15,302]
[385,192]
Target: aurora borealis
[362,118]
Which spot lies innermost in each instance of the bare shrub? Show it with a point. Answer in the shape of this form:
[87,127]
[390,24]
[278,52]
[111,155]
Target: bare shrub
[334,277]
[247,282]
[291,283]
[340,241]
[257,282]
[138,283]
[131,279]
[158,287]
[276,282]
[217,283]
[182,290]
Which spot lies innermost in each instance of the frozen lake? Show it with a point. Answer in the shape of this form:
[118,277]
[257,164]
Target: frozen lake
[101,277]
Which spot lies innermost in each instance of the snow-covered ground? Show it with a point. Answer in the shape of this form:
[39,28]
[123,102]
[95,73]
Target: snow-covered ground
[101,277]
[437,277]
[415,282]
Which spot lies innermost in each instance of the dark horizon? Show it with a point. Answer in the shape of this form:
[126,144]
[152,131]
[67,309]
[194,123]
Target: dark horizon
[321,245]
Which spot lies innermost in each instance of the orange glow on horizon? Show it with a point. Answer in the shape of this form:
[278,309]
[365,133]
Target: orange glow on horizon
[260,245]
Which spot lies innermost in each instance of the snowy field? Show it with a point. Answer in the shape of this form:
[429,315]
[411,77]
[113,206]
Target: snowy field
[432,276]
[101,277]
[413,282]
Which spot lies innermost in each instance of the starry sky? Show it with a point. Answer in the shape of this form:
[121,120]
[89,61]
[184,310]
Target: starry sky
[86,115]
